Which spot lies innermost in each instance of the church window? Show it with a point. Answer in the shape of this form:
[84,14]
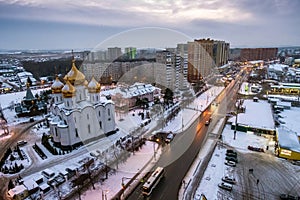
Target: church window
[99,113]
[108,112]
[87,116]
[97,98]
[89,128]
[100,123]
[75,119]
[76,132]
[56,132]
[67,103]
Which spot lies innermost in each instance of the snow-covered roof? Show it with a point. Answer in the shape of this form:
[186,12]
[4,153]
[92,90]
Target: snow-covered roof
[30,184]
[134,90]
[24,74]
[257,115]
[288,139]
[19,189]
[284,104]
[44,186]
[277,67]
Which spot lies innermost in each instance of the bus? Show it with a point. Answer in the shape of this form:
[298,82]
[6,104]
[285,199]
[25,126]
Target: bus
[153,180]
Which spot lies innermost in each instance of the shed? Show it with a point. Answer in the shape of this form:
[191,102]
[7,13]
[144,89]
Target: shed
[31,186]
[44,188]
[19,192]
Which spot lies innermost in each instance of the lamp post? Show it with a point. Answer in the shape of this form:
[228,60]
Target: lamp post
[237,105]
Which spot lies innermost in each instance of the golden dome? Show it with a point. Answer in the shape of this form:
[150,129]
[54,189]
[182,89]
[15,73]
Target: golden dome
[94,86]
[57,86]
[74,75]
[68,90]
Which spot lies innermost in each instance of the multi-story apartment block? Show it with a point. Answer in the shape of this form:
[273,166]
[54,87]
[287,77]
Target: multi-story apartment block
[200,59]
[113,53]
[248,54]
[220,53]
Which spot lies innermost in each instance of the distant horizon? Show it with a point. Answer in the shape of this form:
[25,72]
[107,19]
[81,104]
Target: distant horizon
[68,50]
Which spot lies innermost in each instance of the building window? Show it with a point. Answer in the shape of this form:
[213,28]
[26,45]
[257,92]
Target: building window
[89,128]
[87,116]
[97,98]
[100,123]
[75,119]
[67,103]
[56,132]
[108,112]
[99,113]
[76,132]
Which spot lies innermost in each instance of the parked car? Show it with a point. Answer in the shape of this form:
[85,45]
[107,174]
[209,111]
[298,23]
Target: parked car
[255,149]
[233,154]
[288,197]
[169,138]
[225,186]
[230,151]
[21,142]
[230,163]
[230,158]
[228,179]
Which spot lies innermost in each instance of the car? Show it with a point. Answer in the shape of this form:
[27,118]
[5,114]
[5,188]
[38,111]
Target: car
[230,163]
[207,123]
[228,179]
[230,158]
[288,197]
[169,138]
[230,151]
[231,154]
[21,142]
[225,186]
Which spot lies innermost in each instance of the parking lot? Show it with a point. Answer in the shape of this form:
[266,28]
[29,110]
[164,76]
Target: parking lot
[258,175]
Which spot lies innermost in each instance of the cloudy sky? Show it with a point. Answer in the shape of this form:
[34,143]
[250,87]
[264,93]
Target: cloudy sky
[73,24]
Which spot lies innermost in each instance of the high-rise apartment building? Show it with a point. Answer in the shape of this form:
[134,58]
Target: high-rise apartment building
[220,53]
[113,53]
[181,66]
[165,68]
[130,53]
[248,54]
[200,59]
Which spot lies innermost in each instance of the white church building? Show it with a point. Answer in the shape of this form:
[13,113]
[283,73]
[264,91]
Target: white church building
[78,114]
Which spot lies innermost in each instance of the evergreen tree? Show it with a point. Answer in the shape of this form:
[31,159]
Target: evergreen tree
[168,97]
[10,184]
[29,81]
[12,158]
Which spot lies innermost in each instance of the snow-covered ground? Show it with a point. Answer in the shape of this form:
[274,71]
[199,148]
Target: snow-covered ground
[127,124]
[216,168]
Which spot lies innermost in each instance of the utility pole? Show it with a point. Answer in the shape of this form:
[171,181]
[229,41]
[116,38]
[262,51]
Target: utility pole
[237,105]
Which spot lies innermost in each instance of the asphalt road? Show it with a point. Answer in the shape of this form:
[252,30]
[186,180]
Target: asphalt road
[179,156]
